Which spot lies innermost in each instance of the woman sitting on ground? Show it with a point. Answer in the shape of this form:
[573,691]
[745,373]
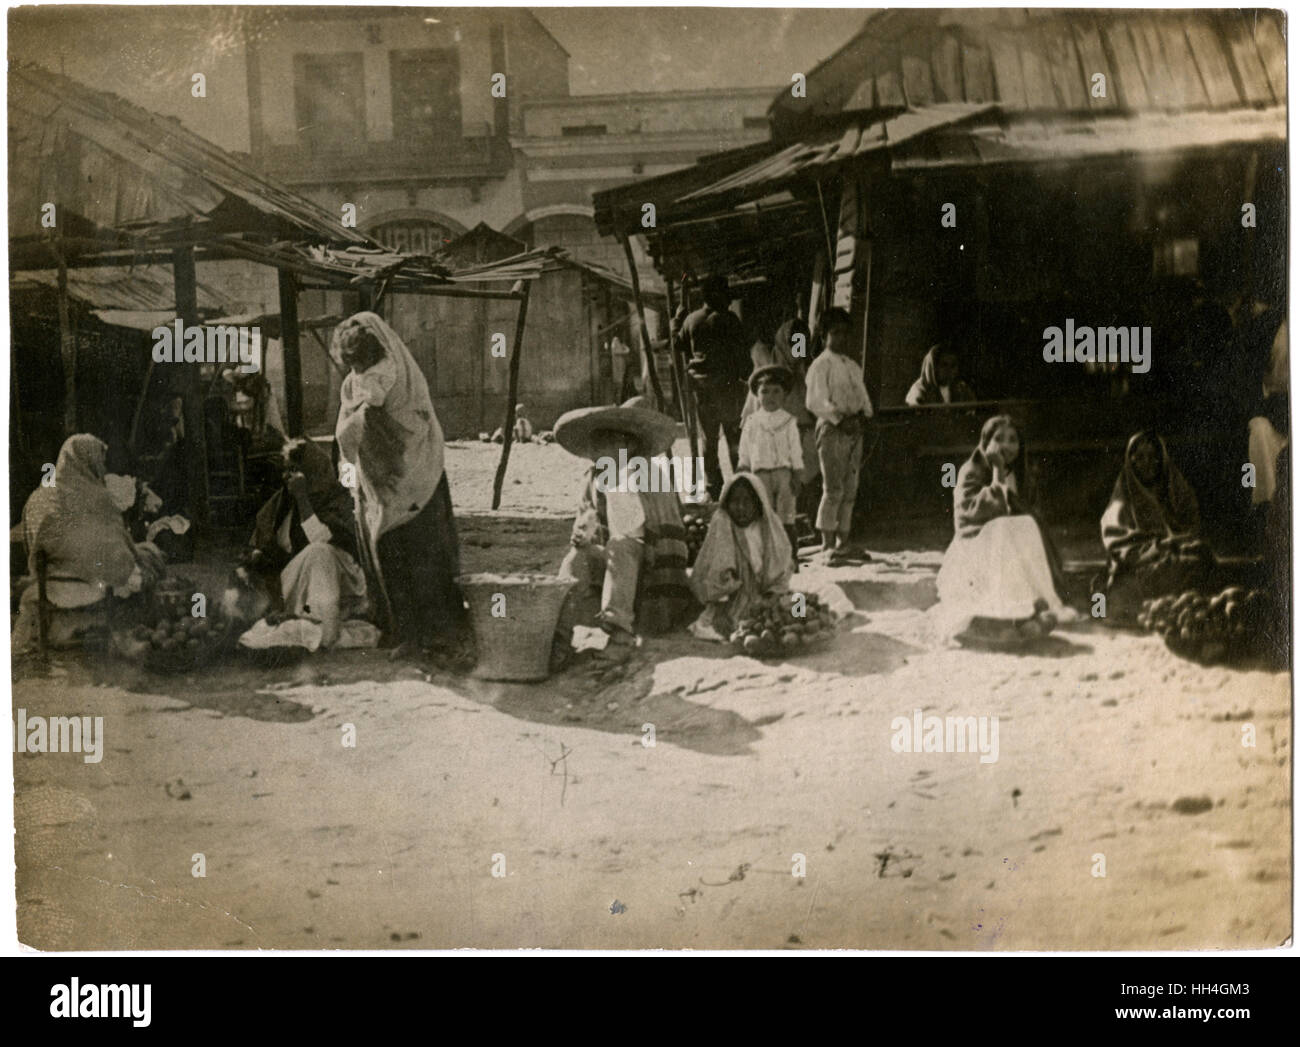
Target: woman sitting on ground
[304,544]
[89,555]
[999,575]
[745,557]
[1151,529]
[628,545]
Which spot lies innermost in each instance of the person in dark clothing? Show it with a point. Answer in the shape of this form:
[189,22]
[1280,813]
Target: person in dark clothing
[304,544]
[717,351]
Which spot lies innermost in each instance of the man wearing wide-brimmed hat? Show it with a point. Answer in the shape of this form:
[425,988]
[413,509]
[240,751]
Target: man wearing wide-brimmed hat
[628,552]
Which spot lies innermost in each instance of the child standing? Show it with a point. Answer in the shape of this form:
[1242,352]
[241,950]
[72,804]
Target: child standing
[838,397]
[769,443]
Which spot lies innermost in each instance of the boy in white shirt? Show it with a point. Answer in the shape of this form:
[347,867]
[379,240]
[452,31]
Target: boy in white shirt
[770,447]
[838,397]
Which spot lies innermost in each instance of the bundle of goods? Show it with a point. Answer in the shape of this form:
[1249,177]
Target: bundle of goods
[1230,626]
[775,630]
[171,639]
[695,518]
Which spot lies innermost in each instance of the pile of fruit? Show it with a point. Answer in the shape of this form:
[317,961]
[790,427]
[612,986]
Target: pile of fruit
[774,629]
[1225,627]
[171,638]
[696,520]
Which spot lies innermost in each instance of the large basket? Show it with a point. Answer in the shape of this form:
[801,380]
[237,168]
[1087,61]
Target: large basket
[516,645]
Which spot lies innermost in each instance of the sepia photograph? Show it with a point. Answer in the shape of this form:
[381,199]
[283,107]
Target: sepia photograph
[649,478]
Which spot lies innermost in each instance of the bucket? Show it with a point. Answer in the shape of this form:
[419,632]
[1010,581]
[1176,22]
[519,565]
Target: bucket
[515,643]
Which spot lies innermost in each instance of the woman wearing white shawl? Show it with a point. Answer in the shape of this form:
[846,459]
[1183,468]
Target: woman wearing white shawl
[745,556]
[388,431]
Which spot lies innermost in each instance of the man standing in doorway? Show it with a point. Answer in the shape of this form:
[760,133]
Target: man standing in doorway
[717,352]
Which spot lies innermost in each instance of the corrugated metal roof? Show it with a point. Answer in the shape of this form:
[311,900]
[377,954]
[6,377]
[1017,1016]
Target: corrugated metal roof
[126,169]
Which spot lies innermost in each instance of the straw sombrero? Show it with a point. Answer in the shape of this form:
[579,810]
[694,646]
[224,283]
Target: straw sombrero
[574,430]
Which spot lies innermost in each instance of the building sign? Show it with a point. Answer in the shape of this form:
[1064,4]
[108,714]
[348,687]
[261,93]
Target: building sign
[413,235]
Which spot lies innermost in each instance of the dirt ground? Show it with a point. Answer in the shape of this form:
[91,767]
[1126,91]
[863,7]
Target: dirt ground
[1114,755]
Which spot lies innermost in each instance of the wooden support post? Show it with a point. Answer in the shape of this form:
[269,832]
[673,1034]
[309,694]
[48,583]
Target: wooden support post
[648,373]
[196,433]
[685,390]
[289,347]
[511,394]
[67,341]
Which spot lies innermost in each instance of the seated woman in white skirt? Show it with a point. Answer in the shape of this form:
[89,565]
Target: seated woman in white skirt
[998,579]
[304,547]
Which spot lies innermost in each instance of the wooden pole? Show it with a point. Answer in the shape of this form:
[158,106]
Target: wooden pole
[67,341]
[196,434]
[289,346]
[648,373]
[511,394]
[683,376]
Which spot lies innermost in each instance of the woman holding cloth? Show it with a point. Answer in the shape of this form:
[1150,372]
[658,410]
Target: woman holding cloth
[388,433]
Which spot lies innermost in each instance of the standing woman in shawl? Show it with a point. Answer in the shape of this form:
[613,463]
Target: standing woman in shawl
[388,432]
[89,552]
[998,579]
[1151,528]
[745,556]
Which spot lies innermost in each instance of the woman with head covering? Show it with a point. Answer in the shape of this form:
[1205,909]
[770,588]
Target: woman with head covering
[628,544]
[998,578]
[745,556]
[940,381]
[78,529]
[304,544]
[1151,528]
[388,433]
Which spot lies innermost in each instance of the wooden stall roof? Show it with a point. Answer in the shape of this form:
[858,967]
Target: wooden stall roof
[1046,59]
[123,175]
[144,289]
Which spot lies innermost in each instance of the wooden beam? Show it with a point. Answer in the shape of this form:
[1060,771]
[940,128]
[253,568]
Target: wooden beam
[289,346]
[648,373]
[511,393]
[196,434]
[683,377]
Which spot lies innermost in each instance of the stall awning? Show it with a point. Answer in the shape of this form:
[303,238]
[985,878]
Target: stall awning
[1060,139]
[820,152]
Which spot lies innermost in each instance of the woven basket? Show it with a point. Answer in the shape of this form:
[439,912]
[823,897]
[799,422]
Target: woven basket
[516,646]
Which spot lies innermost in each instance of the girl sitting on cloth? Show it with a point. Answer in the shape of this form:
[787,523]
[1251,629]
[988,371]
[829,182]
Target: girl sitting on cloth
[997,579]
[388,432]
[304,544]
[628,545]
[1151,528]
[88,551]
[745,556]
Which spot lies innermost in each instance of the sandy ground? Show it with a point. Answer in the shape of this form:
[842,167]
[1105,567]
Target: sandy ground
[1110,748]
